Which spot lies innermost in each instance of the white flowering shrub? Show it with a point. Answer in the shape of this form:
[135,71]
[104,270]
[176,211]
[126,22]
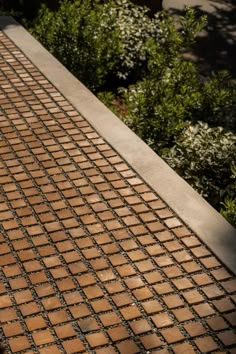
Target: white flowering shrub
[203,156]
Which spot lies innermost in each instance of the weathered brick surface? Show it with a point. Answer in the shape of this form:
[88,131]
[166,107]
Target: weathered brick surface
[91,260]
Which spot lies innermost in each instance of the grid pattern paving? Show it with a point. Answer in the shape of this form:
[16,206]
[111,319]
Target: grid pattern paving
[91,259]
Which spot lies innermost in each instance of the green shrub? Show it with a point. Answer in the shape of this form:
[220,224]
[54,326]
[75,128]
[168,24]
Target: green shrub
[173,91]
[218,101]
[82,36]
[97,40]
[229,204]
[158,108]
[203,156]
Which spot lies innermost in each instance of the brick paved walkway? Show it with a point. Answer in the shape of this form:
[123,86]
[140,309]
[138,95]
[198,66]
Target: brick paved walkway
[91,260]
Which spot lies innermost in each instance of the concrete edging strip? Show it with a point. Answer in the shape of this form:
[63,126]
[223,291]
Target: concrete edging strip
[204,220]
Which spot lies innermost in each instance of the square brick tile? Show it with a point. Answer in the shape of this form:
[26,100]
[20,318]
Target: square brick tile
[204,310]
[99,264]
[151,341]
[220,274]
[172,271]
[163,261]
[130,312]
[162,320]
[183,314]
[101,305]
[65,331]
[12,271]
[193,297]
[128,347]
[52,261]
[155,250]
[118,333]
[231,318]
[140,326]
[38,277]
[44,290]
[110,248]
[58,273]
[146,240]
[93,292]
[224,305]
[106,275]
[114,287]
[18,283]
[12,329]
[227,338]
[200,251]
[183,284]
[206,344]
[173,301]
[8,314]
[134,282]
[145,266]
[152,306]
[142,293]
[23,296]
[58,317]
[122,299]
[229,285]
[195,329]
[65,284]
[163,288]
[73,297]
[183,348]
[152,277]
[210,262]
[70,257]
[96,339]
[88,324]
[34,323]
[172,335]
[202,279]
[182,256]
[173,246]
[42,337]
[73,346]
[125,270]
[51,303]
[52,349]
[217,323]
[109,319]
[18,344]
[30,308]
[191,267]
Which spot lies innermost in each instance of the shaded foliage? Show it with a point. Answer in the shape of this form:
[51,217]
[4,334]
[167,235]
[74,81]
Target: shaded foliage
[203,156]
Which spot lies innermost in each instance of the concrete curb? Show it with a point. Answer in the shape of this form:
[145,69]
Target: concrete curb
[205,221]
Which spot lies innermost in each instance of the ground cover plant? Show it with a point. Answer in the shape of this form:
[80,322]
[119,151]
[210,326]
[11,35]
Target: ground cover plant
[135,64]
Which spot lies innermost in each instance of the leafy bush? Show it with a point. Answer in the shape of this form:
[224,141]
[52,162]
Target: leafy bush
[218,101]
[82,36]
[229,204]
[173,92]
[158,108]
[97,40]
[203,156]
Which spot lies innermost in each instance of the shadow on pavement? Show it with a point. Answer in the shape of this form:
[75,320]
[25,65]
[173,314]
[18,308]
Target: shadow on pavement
[216,46]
